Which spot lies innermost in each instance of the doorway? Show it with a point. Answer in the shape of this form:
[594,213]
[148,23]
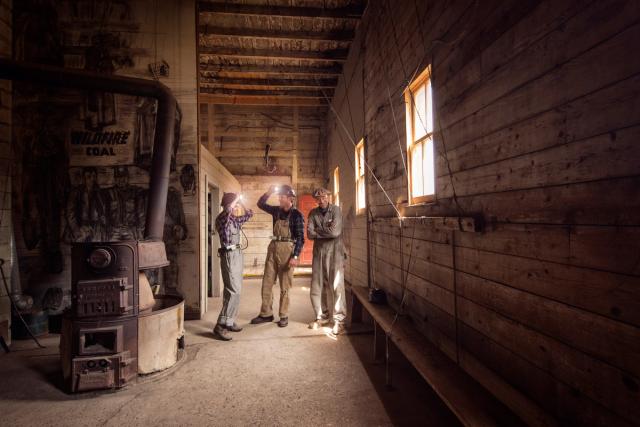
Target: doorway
[214,278]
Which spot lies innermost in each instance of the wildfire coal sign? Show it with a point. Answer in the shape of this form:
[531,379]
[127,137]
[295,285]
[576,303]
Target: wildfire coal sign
[100,148]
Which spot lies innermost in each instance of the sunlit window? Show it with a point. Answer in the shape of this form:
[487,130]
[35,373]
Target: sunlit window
[360,191]
[420,139]
[336,186]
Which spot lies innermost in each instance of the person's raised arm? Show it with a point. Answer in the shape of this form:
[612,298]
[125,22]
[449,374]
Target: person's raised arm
[262,202]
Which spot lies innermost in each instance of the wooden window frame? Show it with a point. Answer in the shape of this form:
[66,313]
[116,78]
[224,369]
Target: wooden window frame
[336,186]
[360,177]
[419,81]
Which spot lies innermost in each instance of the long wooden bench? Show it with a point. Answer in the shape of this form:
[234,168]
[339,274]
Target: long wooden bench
[468,400]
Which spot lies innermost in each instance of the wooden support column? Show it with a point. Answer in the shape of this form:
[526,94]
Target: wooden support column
[296,138]
[210,129]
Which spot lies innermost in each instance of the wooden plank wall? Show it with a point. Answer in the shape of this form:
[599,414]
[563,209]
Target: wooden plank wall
[238,134]
[5,174]
[537,103]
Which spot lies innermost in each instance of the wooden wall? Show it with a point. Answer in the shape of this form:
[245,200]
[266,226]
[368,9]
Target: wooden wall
[537,112]
[5,171]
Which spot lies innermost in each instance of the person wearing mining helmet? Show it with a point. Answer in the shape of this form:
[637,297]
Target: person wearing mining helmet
[282,254]
[324,227]
[228,227]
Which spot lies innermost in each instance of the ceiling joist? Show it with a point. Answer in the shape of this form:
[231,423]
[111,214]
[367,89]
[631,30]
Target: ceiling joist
[254,33]
[338,55]
[253,92]
[262,100]
[269,69]
[348,12]
[285,83]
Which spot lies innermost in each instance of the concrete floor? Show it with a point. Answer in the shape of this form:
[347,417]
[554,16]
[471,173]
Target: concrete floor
[266,376]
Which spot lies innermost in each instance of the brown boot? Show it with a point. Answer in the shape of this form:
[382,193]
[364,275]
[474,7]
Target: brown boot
[221,333]
[233,328]
[283,322]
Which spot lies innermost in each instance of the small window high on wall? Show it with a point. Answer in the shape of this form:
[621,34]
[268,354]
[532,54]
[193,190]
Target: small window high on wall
[420,139]
[360,191]
[336,186]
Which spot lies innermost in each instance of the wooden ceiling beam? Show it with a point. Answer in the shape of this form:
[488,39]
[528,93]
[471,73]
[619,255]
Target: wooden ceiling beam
[270,69]
[347,12]
[337,36]
[263,100]
[338,55]
[254,92]
[285,83]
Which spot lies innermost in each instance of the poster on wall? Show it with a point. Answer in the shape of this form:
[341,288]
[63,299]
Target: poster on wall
[100,148]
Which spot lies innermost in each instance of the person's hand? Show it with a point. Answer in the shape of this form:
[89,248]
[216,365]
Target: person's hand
[272,189]
[293,262]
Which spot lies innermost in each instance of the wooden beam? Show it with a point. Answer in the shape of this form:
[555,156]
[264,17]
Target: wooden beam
[243,153]
[210,128]
[348,12]
[205,69]
[241,83]
[255,133]
[263,100]
[294,161]
[252,92]
[338,55]
[259,33]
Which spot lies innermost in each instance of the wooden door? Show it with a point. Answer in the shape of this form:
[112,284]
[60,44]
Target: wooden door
[306,202]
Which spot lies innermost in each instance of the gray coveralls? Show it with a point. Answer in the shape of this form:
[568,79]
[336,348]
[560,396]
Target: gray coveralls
[231,266]
[327,280]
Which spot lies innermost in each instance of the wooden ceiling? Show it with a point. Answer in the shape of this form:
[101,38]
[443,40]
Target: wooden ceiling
[274,52]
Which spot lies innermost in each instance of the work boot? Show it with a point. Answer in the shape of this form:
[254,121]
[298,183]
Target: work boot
[338,329]
[233,328]
[317,324]
[261,319]
[283,322]
[222,333]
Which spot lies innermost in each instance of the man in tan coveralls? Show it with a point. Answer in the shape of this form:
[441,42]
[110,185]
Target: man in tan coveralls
[283,252]
[324,227]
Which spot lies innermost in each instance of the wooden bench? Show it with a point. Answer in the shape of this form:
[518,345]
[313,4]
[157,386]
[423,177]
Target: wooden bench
[468,400]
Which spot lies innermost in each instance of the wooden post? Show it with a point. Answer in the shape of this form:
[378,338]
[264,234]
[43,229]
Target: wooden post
[210,129]
[294,160]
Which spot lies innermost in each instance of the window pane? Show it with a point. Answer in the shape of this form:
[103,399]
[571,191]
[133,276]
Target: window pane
[429,108]
[361,161]
[428,167]
[361,193]
[416,171]
[419,113]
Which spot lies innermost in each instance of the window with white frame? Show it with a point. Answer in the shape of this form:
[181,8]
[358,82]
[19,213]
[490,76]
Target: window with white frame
[360,189]
[420,150]
[336,186]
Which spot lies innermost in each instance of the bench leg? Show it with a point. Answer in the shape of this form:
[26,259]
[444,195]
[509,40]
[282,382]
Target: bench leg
[387,361]
[375,341]
[355,314]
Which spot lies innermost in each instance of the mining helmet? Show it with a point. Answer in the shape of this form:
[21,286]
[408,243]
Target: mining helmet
[286,190]
[319,192]
[228,198]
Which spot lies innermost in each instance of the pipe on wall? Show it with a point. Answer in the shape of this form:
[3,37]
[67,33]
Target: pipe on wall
[164,130]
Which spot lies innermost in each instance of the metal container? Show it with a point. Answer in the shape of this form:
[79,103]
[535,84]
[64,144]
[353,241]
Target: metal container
[159,334]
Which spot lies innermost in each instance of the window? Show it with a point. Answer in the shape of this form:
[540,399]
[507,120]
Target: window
[360,192]
[420,139]
[336,186]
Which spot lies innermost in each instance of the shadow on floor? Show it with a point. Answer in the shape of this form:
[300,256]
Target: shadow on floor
[409,401]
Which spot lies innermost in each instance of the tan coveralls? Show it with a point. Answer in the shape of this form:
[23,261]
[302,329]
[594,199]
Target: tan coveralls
[277,266]
[327,280]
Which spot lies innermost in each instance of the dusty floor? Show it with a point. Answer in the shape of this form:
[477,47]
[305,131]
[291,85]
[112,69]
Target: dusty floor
[266,376]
